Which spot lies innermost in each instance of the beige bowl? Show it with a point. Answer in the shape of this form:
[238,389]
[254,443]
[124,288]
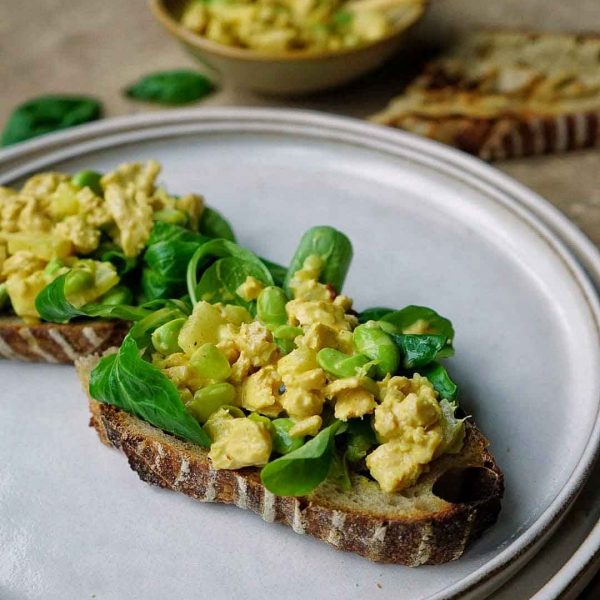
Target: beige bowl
[289,73]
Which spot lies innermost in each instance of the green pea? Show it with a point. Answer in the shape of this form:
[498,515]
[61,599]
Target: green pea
[171,216]
[164,338]
[89,179]
[3,294]
[210,399]
[270,307]
[287,332]
[53,267]
[120,294]
[261,419]
[377,345]
[78,280]
[209,362]
[339,364]
[283,442]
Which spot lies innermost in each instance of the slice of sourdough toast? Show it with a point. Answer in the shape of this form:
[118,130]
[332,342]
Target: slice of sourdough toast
[503,94]
[58,343]
[430,523]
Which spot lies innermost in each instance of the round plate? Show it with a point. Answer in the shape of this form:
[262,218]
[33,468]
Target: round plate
[429,226]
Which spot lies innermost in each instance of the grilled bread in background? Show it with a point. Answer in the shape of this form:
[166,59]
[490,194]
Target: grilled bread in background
[431,522]
[56,343]
[501,94]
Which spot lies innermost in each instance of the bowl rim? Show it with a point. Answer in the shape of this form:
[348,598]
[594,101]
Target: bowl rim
[166,19]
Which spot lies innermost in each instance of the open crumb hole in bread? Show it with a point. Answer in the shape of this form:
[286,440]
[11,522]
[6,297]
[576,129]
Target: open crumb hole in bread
[465,484]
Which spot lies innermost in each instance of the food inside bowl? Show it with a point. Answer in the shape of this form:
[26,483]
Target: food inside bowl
[288,25]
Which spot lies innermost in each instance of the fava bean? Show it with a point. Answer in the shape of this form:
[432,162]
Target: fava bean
[89,179]
[283,442]
[211,398]
[53,267]
[270,307]
[287,332]
[171,216]
[209,362]
[78,280]
[164,338]
[377,345]
[120,294]
[261,419]
[339,364]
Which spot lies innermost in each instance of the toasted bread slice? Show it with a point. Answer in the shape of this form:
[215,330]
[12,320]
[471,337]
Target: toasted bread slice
[506,94]
[417,526]
[56,343]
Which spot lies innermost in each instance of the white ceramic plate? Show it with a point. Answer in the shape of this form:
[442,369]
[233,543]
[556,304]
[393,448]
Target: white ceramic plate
[429,226]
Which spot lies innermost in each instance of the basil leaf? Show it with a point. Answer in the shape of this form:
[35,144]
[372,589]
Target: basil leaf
[53,306]
[374,314]
[46,114]
[419,350]
[332,246]
[171,87]
[220,248]
[401,320]
[214,225]
[439,378]
[301,471]
[127,381]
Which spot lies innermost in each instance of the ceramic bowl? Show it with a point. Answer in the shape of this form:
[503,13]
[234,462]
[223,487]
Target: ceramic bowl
[290,73]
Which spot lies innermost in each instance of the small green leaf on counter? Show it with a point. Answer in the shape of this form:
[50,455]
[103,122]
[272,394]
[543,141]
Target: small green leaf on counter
[171,87]
[46,114]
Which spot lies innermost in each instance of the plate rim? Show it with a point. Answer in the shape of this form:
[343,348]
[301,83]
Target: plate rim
[560,233]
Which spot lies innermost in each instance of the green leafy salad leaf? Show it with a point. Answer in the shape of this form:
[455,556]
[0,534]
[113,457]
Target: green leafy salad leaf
[46,114]
[420,350]
[301,471]
[52,305]
[441,381]
[332,246]
[180,86]
[220,280]
[402,320]
[129,382]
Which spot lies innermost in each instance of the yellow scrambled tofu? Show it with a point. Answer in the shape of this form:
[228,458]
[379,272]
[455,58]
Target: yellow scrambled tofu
[270,382]
[53,224]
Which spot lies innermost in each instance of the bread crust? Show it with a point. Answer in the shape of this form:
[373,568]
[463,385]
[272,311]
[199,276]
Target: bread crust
[445,104]
[412,539]
[58,343]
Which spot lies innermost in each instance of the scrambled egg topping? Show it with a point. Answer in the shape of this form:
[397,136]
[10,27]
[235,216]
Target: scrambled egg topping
[271,382]
[282,25]
[50,224]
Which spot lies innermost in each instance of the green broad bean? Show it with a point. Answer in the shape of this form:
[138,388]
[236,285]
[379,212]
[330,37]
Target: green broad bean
[78,280]
[377,345]
[261,419]
[209,362]
[339,364]
[171,216]
[164,338]
[270,307]
[3,294]
[287,332]
[89,179]
[120,294]
[53,267]
[283,442]
[286,346]
[210,399]
[235,411]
